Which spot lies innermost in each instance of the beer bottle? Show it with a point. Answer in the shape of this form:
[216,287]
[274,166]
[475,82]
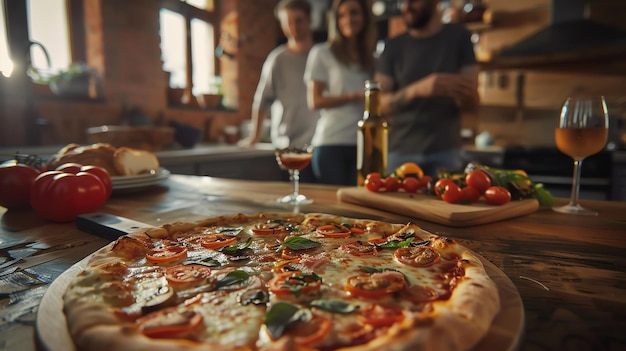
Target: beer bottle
[371,136]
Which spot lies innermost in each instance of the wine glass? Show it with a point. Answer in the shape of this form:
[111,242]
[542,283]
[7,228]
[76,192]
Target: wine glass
[582,131]
[294,159]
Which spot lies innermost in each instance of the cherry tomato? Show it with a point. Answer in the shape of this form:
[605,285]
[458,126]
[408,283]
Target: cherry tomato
[497,195]
[392,184]
[170,323]
[425,181]
[469,194]
[308,333]
[60,196]
[479,180]
[376,285]
[187,274]
[15,184]
[167,254]
[359,248]
[411,185]
[417,256]
[294,284]
[334,231]
[103,174]
[215,241]
[451,194]
[379,316]
[440,185]
[373,182]
[374,175]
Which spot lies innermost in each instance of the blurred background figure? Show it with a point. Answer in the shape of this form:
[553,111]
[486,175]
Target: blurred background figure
[428,75]
[281,91]
[335,74]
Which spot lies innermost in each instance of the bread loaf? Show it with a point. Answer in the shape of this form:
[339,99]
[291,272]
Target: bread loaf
[99,154]
[129,161]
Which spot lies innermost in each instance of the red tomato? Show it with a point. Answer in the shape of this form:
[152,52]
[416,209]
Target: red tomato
[373,182]
[391,184]
[375,286]
[379,315]
[373,175]
[167,254]
[333,231]
[411,185]
[470,194]
[310,332]
[417,256]
[440,185]
[451,194]
[69,168]
[294,284]
[60,197]
[479,180]
[425,180]
[215,241]
[170,323]
[99,172]
[497,195]
[359,248]
[15,184]
[187,274]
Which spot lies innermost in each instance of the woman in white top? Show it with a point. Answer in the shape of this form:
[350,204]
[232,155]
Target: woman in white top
[335,74]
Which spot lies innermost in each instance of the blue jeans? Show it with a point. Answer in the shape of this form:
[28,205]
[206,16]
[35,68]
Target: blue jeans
[335,164]
[448,159]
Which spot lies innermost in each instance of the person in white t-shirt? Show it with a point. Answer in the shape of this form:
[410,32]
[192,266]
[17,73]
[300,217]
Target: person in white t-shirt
[335,73]
[281,91]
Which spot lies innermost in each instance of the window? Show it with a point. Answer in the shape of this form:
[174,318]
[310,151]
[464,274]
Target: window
[46,24]
[189,58]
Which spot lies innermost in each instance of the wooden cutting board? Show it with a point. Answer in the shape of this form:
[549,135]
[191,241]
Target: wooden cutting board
[432,209]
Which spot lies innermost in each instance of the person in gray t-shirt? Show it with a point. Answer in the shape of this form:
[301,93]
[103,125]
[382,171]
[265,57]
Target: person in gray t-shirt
[428,75]
[281,91]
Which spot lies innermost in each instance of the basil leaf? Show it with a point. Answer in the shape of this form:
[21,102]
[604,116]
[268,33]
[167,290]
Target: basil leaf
[394,244]
[208,261]
[229,231]
[372,270]
[349,226]
[293,228]
[236,248]
[336,306]
[300,243]
[297,282]
[278,317]
[232,278]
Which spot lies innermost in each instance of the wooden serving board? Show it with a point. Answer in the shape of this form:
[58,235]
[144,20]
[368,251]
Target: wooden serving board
[505,332]
[433,209]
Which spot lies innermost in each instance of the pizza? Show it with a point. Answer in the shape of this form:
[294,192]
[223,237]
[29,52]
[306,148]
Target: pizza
[281,281]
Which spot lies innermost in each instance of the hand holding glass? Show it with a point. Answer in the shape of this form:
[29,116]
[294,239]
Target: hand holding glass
[582,131]
[294,160]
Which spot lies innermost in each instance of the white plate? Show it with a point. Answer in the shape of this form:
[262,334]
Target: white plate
[141,180]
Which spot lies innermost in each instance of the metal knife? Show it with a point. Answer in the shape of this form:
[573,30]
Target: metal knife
[107,225]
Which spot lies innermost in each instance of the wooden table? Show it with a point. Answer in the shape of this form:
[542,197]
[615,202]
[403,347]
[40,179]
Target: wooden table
[570,271]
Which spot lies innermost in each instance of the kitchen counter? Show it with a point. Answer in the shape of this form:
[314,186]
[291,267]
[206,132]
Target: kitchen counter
[568,270]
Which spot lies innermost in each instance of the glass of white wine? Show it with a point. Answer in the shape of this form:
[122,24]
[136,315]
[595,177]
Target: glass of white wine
[582,131]
[294,159]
